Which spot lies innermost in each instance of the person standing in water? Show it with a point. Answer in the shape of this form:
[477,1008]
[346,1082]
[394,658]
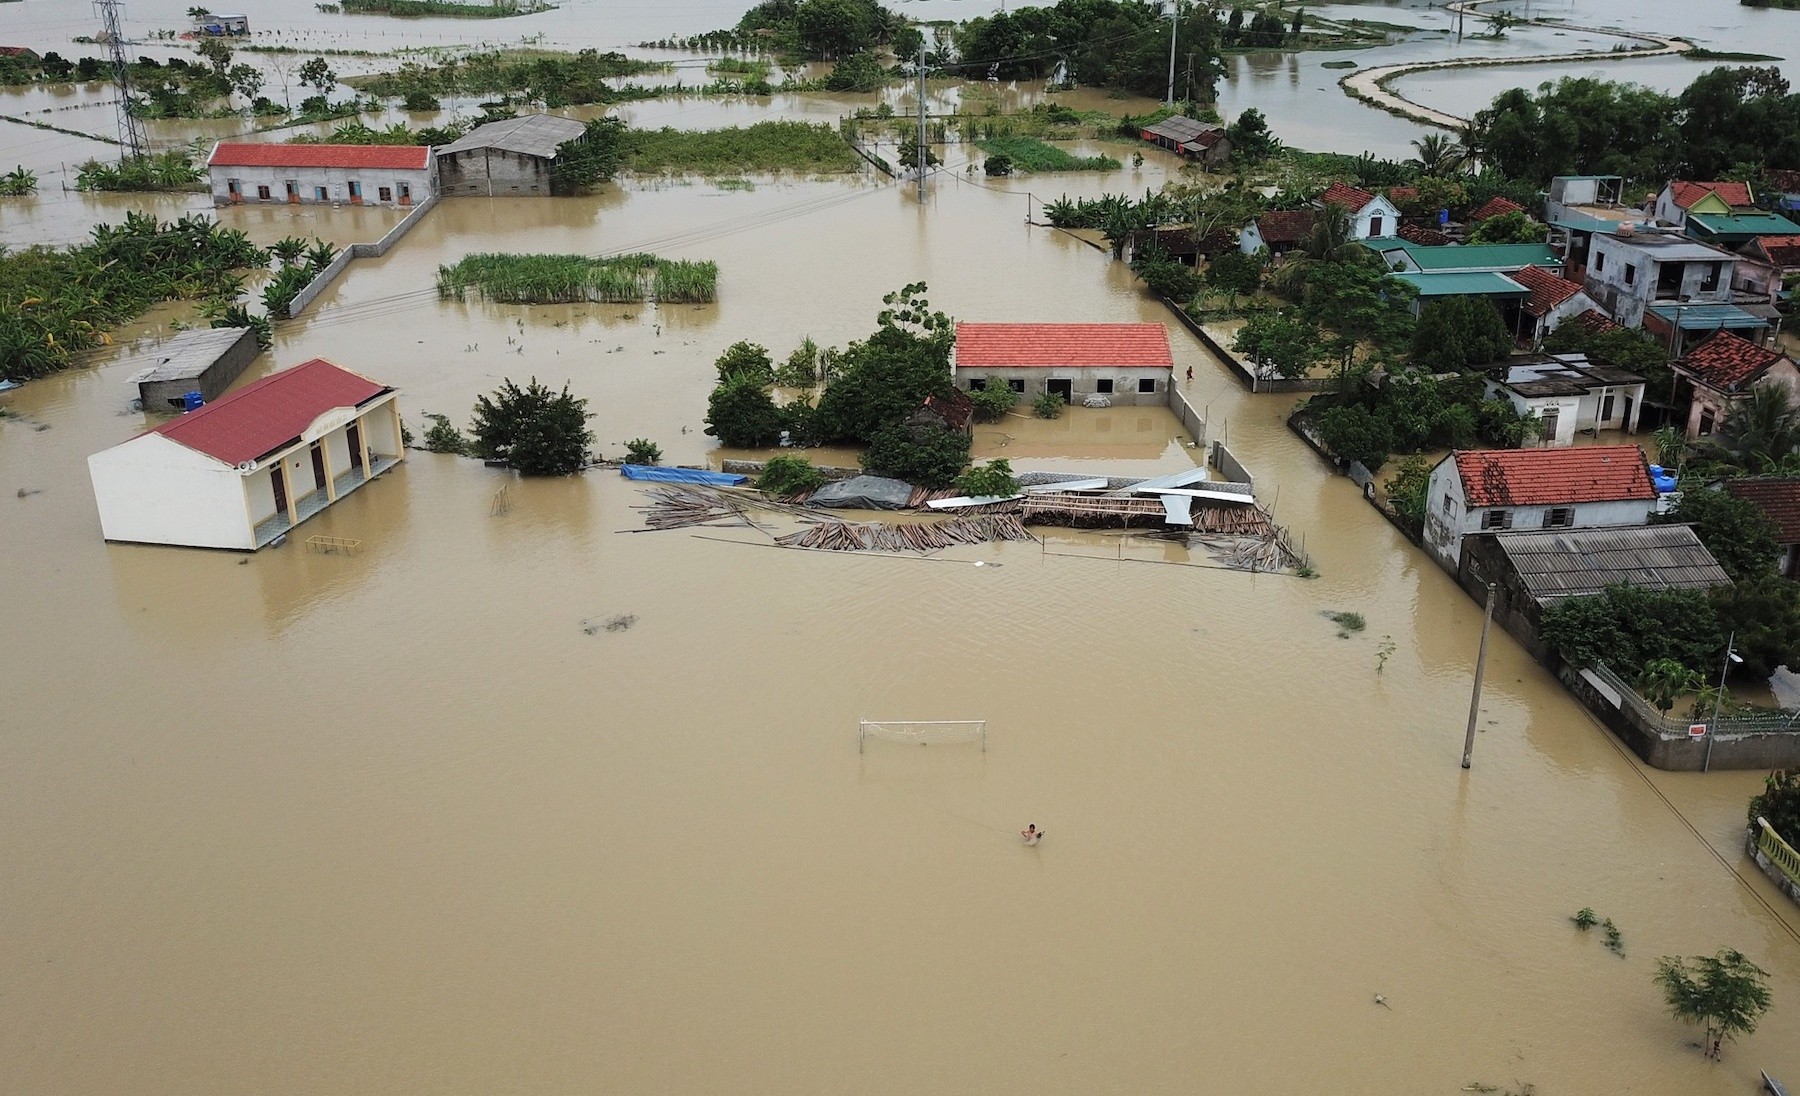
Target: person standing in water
[1031,834]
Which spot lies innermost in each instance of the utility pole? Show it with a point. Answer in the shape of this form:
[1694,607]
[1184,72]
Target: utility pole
[924,149]
[1174,22]
[132,141]
[1712,729]
[1487,621]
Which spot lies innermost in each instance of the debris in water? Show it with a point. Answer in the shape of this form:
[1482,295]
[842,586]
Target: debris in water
[27,492]
[610,624]
[1382,1001]
[1346,622]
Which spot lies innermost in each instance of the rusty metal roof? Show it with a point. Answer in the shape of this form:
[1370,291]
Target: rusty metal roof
[1563,563]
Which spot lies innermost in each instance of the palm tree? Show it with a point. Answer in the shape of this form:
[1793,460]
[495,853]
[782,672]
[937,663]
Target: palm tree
[1333,238]
[1439,154]
[1760,432]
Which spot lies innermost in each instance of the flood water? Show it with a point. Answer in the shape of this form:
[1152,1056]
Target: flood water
[398,822]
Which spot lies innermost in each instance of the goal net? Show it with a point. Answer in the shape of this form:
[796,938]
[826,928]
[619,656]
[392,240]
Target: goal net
[925,732]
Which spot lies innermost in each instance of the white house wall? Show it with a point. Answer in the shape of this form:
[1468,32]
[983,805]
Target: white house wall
[335,180]
[155,491]
[1083,382]
[1367,215]
[1446,526]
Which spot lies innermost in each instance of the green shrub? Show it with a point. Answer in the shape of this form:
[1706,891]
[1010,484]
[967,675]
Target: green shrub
[642,451]
[993,400]
[998,164]
[536,431]
[1048,405]
[1628,627]
[443,436]
[991,480]
[1406,491]
[742,415]
[930,456]
[1779,803]
[789,476]
[1172,280]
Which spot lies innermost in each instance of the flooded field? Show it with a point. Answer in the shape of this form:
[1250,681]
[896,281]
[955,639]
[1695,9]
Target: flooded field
[404,821]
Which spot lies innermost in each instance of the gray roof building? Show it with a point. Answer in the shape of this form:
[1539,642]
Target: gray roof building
[508,158]
[1553,565]
[204,361]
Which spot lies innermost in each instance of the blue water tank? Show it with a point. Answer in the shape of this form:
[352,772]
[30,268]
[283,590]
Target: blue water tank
[191,401]
[1664,481]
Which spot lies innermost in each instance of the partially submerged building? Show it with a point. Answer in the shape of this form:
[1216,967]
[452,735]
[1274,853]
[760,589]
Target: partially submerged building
[249,173]
[241,472]
[1724,371]
[1778,497]
[1632,270]
[515,157]
[1191,139]
[1569,394]
[191,368]
[1494,490]
[1128,363]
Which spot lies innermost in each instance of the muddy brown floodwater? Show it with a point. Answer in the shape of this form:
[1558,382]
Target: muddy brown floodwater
[397,822]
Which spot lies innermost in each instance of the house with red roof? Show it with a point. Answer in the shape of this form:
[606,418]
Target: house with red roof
[1723,371]
[241,472]
[1123,363]
[1553,299]
[250,173]
[1496,206]
[1277,232]
[1490,490]
[1766,262]
[1371,215]
[1682,197]
[1778,497]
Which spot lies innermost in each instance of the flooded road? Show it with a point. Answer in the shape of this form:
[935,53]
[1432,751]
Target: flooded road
[397,822]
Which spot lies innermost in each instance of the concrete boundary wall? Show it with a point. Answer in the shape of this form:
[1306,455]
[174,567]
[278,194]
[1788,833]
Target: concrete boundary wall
[1184,411]
[358,251]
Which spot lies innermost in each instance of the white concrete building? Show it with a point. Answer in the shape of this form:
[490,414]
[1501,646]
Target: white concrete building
[1127,363]
[1633,268]
[393,175]
[243,471]
[1371,215]
[1682,197]
[1570,394]
[1488,490]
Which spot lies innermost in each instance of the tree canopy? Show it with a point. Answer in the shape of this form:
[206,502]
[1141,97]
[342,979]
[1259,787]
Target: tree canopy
[1455,333]
[1106,43]
[536,431]
[1737,533]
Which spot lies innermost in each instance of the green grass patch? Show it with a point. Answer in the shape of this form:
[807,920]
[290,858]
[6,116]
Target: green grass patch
[567,279]
[763,147]
[1340,64]
[1031,154]
[1701,53]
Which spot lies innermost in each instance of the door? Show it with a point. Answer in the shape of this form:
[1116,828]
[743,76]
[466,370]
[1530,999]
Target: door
[405,194]
[1606,410]
[1625,423]
[355,192]
[1064,388]
[318,456]
[278,481]
[354,436]
[293,192]
[235,189]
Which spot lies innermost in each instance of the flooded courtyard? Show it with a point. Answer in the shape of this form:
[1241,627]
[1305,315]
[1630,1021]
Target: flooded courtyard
[401,821]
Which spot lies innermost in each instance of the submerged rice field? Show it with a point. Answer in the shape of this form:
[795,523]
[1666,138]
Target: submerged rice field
[569,279]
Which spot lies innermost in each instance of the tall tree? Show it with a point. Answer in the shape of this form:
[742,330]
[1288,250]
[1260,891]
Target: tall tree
[1726,994]
[535,430]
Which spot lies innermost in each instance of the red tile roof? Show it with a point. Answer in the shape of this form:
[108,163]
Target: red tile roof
[1727,362]
[1286,226]
[1424,237]
[1068,345]
[1778,498]
[1548,289]
[1349,197]
[1554,477]
[1402,193]
[1597,322]
[1494,207]
[373,157]
[1732,194]
[1783,251]
[269,414]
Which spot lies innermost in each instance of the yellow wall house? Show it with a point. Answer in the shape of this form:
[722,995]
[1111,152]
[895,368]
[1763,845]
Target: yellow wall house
[243,471]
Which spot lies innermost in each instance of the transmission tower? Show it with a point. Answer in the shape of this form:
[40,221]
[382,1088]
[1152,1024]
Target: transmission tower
[132,143]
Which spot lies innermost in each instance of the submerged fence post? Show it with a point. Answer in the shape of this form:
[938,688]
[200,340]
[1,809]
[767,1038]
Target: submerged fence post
[1487,621]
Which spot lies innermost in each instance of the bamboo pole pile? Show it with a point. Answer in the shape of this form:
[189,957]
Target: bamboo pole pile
[846,536]
[1233,520]
[1091,511]
[680,507]
[1249,553]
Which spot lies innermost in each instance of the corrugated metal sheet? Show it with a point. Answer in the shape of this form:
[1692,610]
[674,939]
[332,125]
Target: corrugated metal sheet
[532,135]
[1576,562]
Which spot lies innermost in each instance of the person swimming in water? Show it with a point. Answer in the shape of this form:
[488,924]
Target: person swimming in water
[1031,834]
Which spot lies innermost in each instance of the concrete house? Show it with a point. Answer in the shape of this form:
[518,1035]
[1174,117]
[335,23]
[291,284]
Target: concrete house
[233,26]
[1577,207]
[1779,499]
[1723,371]
[1128,363]
[1192,140]
[510,158]
[241,472]
[204,361]
[1553,299]
[1489,490]
[1371,215]
[1682,198]
[1632,269]
[1765,262]
[1570,394]
[392,175]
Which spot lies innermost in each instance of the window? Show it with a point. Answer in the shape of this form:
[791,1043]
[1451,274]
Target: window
[1146,384]
[405,191]
[1630,274]
[1559,517]
[1016,386]
[1449,503]
[262,194]
[320,194]
[1606,408]
[1496,519]
[1709,278]
[979,384]
[234,186]
[1104,385]
[386,193]
[1599,261]
[1376,224]
[1706,421]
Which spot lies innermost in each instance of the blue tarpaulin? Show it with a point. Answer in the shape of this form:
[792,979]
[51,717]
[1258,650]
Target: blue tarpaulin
[657,474]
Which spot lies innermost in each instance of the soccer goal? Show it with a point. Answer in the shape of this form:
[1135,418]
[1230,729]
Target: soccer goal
[922,731]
